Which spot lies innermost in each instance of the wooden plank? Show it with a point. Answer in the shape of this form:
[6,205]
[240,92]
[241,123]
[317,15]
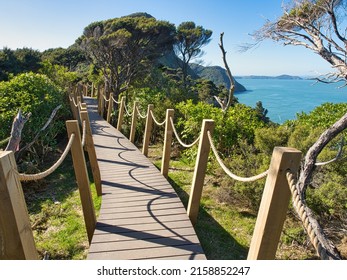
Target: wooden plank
[141,216]
[161,252]
[136,244]
[99,238]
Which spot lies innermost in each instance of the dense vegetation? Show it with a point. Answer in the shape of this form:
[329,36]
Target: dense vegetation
[38,82]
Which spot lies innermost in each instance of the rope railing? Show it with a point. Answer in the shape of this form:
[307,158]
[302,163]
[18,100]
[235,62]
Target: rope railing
[107,100]
[73,100]
[139,113]
[227,171]
[115,101]
[179,139]
[41,175]
[127,111]
[300,209]
[156,121]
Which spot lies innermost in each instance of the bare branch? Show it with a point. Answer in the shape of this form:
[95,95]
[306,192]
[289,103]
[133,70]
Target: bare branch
[27,146]
[230,76]
[16,131]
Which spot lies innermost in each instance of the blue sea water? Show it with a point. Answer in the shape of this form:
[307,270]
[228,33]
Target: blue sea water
[285,98]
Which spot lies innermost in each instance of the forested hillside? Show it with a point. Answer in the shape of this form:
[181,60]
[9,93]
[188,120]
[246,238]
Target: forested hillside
[135,56]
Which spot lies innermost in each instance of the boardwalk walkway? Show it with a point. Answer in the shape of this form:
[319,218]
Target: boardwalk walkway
[141,216]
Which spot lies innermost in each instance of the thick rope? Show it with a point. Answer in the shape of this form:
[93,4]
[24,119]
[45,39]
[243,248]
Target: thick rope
[73,100]
[107,100]
[83,133]
[127,112]
[114,100]
[41,175]
[227,171]
[139,113]
[299,207]
[157,123]
[179,139]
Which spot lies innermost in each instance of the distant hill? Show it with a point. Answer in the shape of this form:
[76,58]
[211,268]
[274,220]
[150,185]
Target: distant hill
[280,77]
[216,74]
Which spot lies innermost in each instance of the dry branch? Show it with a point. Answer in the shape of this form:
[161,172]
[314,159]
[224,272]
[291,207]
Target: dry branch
[225,104]
[16,131]
[328,248]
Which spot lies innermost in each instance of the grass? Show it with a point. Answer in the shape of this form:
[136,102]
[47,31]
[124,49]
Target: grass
[225,228]
[56,216]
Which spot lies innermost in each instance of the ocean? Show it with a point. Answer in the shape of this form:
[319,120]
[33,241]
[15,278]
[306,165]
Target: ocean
[285,98]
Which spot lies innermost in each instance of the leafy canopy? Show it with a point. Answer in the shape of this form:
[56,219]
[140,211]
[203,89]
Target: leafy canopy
[124,48]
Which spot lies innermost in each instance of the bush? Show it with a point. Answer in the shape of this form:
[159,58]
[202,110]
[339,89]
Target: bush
[239,123]
[33,93]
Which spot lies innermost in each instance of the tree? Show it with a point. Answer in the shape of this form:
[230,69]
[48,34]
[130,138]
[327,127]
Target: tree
[18,61]
[189,41]
[69,58]
[125,48]
[320,26]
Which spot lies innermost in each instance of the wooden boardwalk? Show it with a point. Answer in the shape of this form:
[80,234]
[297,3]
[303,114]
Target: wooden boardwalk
[141,216]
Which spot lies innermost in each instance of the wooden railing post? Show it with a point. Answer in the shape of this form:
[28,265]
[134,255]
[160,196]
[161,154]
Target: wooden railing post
[81,173]
[74,109]
[148,130]
[121,113]
[89,144]
[274,204]
[199,171]
[133,122]
[99,96]
[102,104]
[16,237]
[110,107]
[167,143]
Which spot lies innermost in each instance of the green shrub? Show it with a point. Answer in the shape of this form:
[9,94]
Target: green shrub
[33,93]
[239,123]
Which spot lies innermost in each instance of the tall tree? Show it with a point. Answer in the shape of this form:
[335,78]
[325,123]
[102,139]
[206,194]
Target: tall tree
[124,48]
[18,61]
[320,26]
[189,41]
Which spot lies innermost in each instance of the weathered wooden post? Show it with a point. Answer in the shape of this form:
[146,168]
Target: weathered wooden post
[89,144]
[99,96]
[274,204]
[92,92]
[121,113]
[167,143]
[133,122]
[81,173]
[199,171]
[148,130]
[73,107]
[110,107]
[16,237]
[102,104]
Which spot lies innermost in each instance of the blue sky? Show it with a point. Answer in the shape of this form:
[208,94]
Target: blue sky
[43,24]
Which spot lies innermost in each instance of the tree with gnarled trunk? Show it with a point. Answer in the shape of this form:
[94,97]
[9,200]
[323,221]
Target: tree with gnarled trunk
[124,48]
[318,25]
[189,41]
